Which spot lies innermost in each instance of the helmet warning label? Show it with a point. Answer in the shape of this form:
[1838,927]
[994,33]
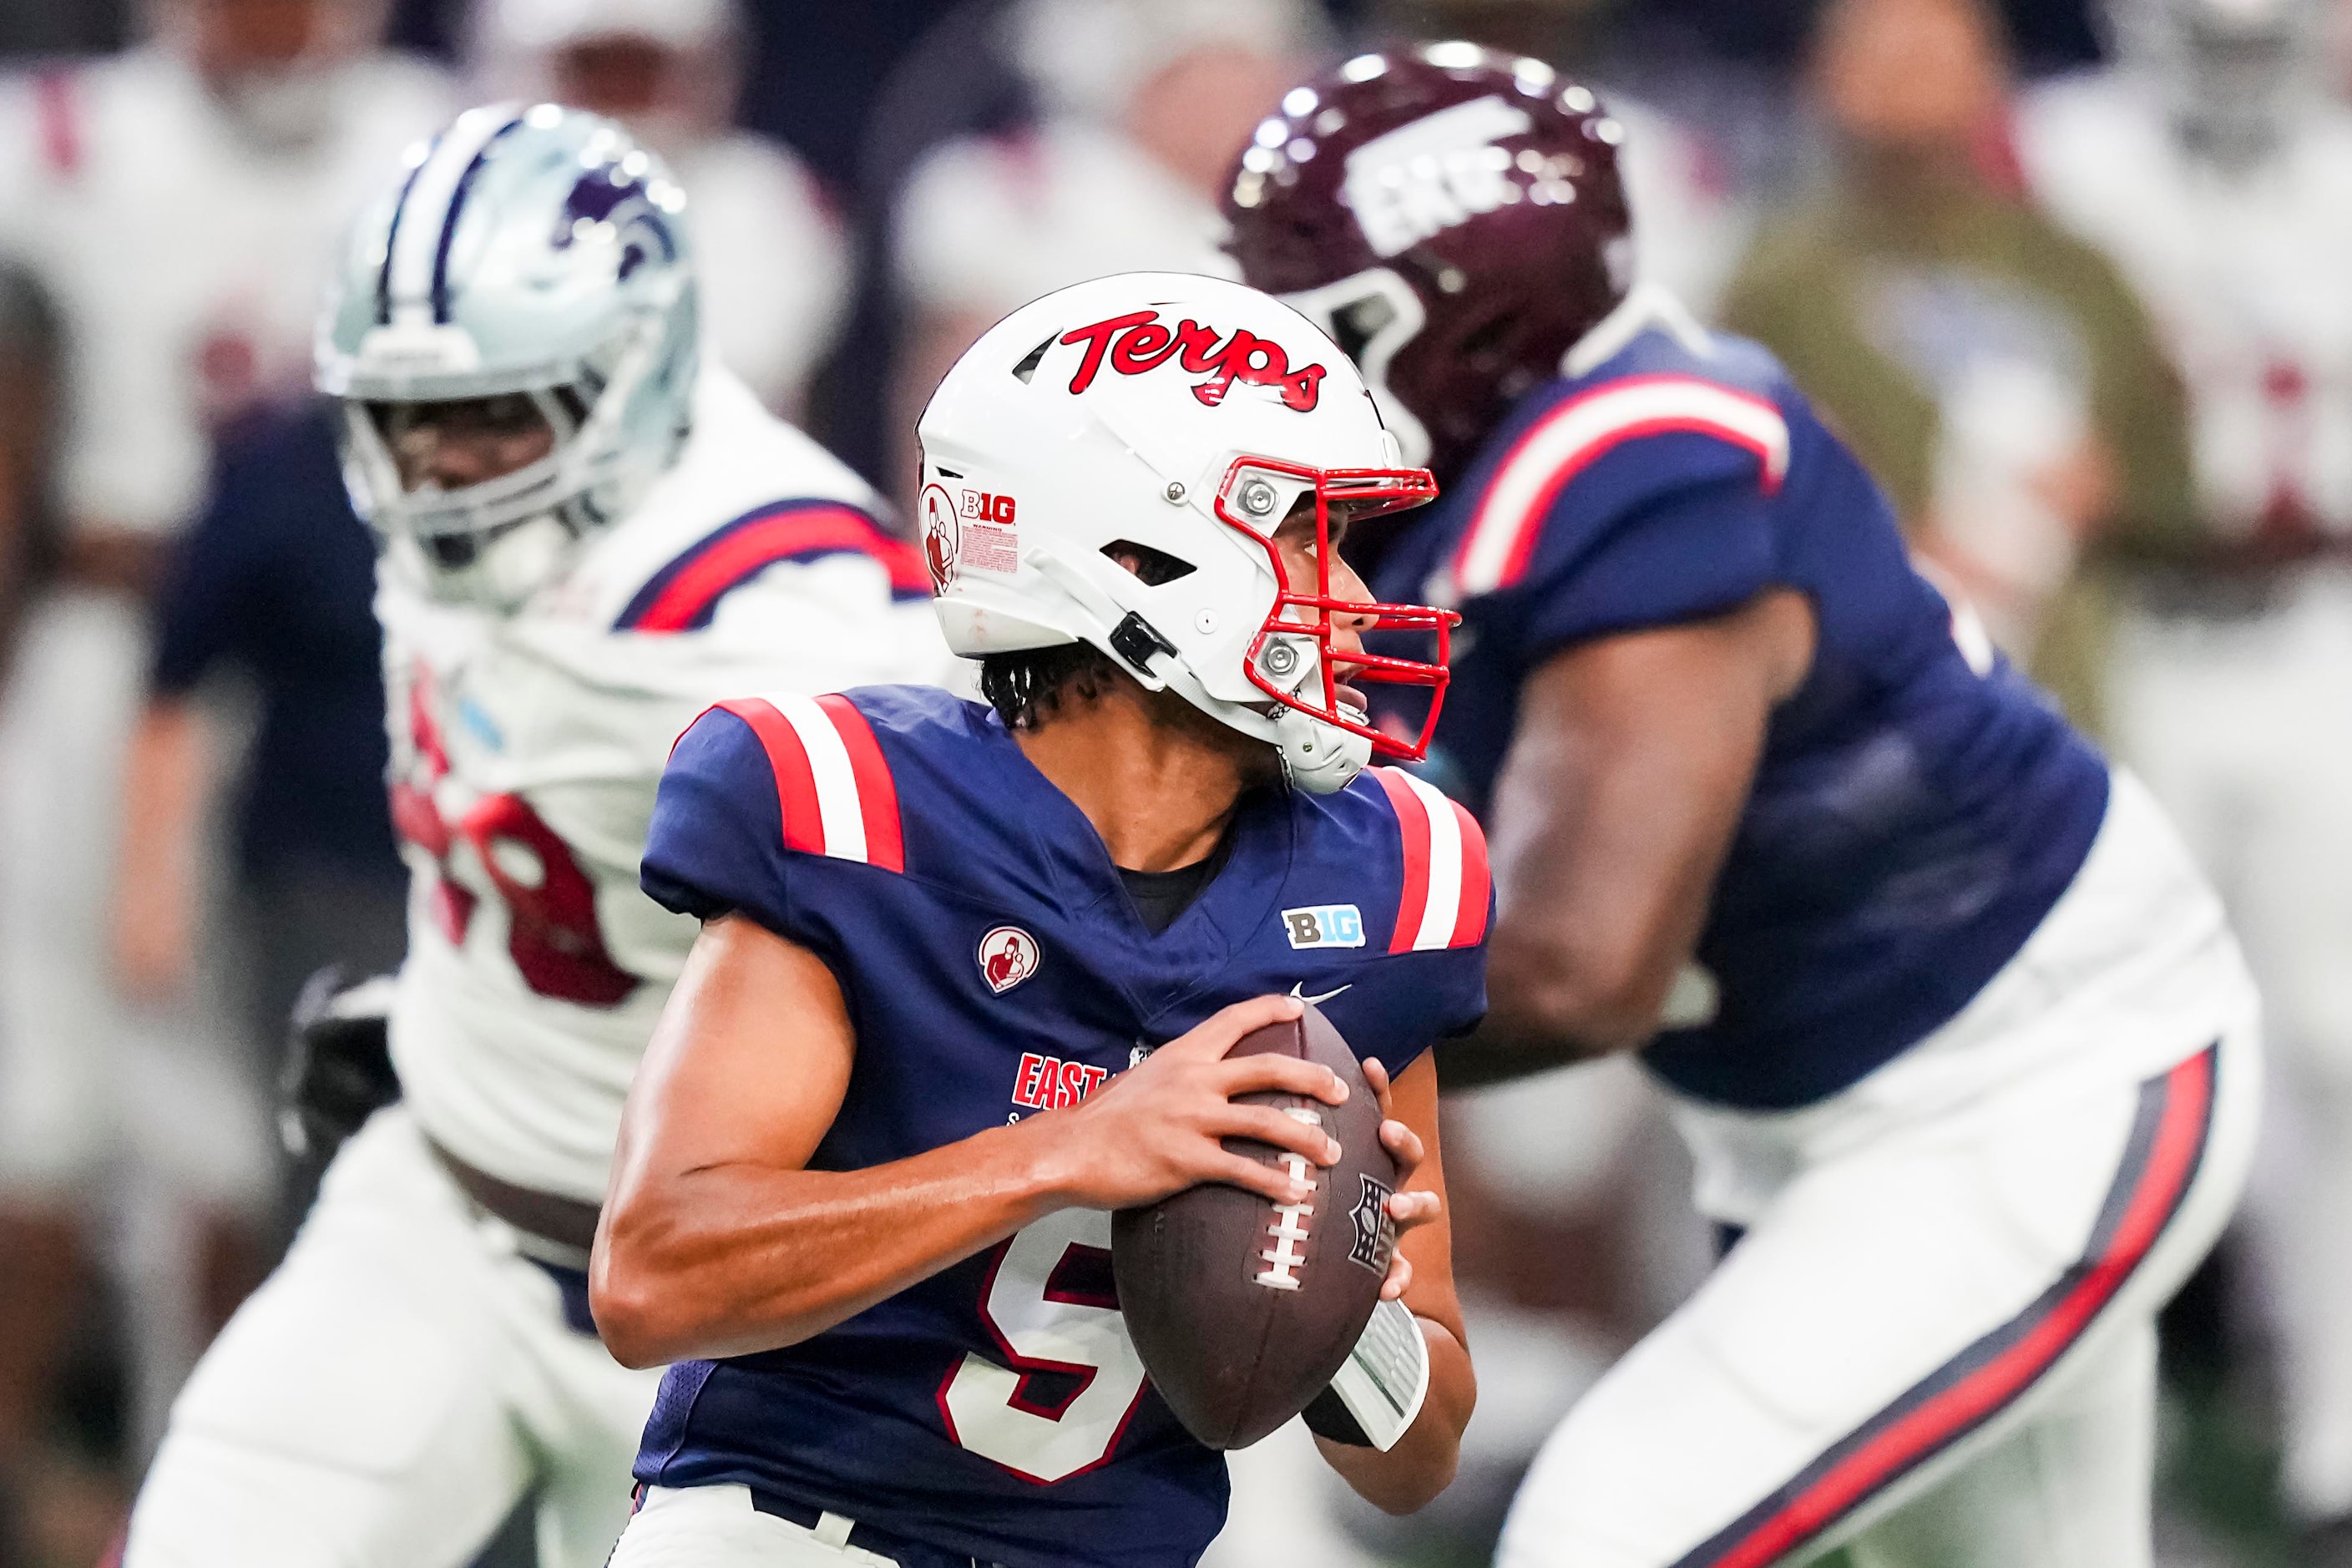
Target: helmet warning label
[990,543]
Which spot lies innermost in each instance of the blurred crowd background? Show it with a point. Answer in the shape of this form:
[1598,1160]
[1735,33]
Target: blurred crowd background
[2075,275]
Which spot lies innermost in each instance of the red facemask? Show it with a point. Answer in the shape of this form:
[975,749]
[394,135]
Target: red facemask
[1352,493]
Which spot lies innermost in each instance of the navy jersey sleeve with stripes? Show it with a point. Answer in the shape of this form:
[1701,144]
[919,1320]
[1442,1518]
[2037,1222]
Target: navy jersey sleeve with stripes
[716,845]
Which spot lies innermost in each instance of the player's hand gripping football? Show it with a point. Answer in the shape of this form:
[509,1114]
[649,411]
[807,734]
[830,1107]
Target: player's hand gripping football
[1410,1210]
[1156,1128]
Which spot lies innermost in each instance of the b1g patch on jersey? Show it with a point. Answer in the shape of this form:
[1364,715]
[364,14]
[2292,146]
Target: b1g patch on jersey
[1324,925]
[1008,955]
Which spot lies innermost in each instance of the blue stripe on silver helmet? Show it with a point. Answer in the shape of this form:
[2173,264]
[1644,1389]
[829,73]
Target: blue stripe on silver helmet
[535,251]
[449,221]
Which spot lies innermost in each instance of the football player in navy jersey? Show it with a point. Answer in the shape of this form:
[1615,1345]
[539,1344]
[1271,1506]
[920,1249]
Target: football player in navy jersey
[968,973]
[1958,1038]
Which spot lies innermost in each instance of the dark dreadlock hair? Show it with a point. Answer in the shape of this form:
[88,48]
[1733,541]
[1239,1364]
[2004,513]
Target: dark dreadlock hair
[1026,687]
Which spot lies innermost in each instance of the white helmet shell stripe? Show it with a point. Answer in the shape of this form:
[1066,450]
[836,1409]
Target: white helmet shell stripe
[415,285]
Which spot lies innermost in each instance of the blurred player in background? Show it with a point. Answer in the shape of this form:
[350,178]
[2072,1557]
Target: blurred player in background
[275,584]
[773,261]
[1960,1041]
[587,539]
[29,394]
[177,203]
[2210,162]
[1996,374]
[836,1206]
[1693,221]
[1143,104]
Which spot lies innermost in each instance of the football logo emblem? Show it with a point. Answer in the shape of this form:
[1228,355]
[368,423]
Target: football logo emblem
[942,536]
[1375,1237]
[1008,955]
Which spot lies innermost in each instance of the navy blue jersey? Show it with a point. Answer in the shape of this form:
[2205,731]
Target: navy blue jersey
[1918,806]
[994,966]
[277,578]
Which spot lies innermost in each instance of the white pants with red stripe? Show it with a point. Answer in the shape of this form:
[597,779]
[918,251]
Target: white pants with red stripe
[1934,1341]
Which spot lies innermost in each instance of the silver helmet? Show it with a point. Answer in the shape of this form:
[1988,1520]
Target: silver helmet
[527,253]
[2232,71]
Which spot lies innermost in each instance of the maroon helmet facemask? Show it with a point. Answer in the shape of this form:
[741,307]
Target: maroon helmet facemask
[1451,217]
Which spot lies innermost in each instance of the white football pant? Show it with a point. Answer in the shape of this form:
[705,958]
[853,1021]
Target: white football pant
[392,1393]
[1935,1339]
[2243,728]
[717,1526]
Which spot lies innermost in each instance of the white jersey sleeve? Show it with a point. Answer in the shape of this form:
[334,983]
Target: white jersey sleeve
[186,260]
[2242,273]
[526,753]
[774,263]
[988,224]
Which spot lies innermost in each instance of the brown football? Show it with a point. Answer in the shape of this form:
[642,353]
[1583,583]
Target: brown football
[1243,1310]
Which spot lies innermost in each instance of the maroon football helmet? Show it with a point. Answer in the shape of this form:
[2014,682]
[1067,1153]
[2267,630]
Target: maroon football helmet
[1451,217]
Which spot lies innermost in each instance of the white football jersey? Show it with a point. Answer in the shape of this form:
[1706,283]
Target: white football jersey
[188,262]
[2244,276]
[525,753]
[772,259]
[988,224]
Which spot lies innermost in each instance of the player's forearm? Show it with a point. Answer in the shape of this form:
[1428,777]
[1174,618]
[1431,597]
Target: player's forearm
[166,785]
[734,1258]
[1422,1465]
[1549,1009]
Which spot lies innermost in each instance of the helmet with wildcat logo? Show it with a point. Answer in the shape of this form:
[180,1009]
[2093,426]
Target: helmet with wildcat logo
[1453,216]
[1182,420]
[537,258]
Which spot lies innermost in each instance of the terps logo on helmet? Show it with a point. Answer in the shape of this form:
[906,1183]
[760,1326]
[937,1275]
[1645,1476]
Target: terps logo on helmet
[1008,955]
[1137,343]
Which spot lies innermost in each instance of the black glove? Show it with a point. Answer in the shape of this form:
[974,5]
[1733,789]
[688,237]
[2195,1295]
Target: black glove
[337,1063]
[1328,1416]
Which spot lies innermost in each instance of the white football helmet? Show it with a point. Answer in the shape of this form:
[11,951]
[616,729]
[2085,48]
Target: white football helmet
[538,252]
[1190,415]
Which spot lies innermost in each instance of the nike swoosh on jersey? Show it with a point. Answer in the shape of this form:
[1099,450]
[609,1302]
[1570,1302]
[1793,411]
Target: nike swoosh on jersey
[1297,986]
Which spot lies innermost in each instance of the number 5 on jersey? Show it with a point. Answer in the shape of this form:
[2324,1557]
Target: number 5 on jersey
[1075,1379]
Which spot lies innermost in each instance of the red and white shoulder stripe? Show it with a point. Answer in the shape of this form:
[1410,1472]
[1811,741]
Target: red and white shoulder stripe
[1447,886]
[833,783]
[1564,443]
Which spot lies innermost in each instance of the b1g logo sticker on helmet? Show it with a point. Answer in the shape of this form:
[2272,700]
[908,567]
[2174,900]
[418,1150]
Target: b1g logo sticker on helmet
[1138,343]
[1008,955]
[1442,170]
